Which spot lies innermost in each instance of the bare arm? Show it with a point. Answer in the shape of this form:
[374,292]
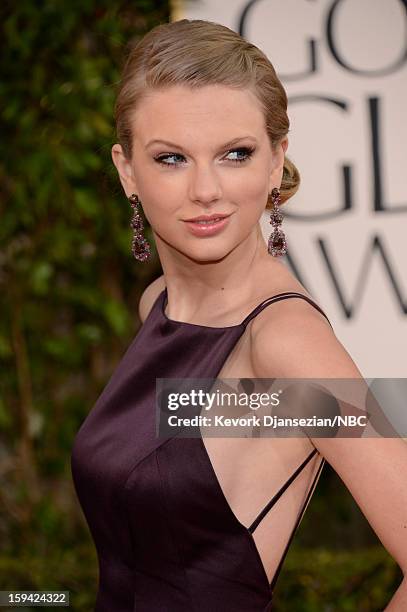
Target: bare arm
[296,342]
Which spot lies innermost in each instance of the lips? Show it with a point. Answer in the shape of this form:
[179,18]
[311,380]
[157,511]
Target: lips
[206,221]
[207,225]
[213,217]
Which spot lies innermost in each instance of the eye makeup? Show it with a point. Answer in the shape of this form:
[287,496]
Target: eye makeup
[247,153]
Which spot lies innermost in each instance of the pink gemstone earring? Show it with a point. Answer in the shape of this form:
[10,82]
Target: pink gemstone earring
[140,247]
[277,244]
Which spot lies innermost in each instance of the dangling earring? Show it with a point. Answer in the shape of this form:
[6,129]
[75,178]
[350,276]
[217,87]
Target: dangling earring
[277,244]
[139,246]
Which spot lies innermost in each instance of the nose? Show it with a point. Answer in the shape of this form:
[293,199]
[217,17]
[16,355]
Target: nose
[204,185]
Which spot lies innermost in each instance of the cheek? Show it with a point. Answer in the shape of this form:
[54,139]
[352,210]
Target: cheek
[252,195]
[160,212]
[160,198]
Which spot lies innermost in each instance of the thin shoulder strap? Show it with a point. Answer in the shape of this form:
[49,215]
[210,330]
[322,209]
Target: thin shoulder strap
[277,298]
[298,521]
[279,493]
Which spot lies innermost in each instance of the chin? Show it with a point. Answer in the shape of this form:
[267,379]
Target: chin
[206,253]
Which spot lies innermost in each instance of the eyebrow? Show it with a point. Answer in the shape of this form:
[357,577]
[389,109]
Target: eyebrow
[225,145]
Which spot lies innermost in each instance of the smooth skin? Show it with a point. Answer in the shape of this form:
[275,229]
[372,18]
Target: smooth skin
[216,281]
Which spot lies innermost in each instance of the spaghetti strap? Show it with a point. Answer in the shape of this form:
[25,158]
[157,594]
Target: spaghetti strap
[279,493]
[298,521]
[282,296]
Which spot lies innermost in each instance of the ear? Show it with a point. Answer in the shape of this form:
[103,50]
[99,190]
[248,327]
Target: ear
[124,169]
[276,175]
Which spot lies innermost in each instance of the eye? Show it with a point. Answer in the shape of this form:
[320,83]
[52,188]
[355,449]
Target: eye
[162,159]
[244,153]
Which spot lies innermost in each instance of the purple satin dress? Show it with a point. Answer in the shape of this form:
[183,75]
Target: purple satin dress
[166,538]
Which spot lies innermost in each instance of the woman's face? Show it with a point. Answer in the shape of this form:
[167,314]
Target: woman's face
[199,152]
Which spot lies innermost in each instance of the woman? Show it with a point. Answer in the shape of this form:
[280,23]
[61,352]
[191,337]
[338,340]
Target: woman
[180,524]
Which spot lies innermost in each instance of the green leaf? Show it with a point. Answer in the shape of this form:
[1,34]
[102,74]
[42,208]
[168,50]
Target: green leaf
[117,315]
[40,277]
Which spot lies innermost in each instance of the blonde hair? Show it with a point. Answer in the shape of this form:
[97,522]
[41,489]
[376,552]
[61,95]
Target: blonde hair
[197,53]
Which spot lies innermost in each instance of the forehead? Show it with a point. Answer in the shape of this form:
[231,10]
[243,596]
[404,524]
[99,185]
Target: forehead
[213,111]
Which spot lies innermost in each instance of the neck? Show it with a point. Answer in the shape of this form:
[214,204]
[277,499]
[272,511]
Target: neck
[212,286]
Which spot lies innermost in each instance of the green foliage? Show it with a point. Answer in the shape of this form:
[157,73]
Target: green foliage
[325,581]
[72,569]
[68,281]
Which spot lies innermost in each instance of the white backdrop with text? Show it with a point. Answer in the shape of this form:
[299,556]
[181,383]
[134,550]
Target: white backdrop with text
[343,64]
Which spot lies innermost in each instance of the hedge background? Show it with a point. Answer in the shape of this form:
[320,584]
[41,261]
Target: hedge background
[69,291]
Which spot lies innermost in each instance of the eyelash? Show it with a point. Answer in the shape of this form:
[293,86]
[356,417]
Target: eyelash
[248,151]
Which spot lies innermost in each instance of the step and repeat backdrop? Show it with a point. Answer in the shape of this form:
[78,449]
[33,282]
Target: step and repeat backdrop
[343,64]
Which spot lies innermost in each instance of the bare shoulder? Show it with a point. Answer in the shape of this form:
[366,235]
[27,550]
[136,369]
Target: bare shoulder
[292,339]
[149,296]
